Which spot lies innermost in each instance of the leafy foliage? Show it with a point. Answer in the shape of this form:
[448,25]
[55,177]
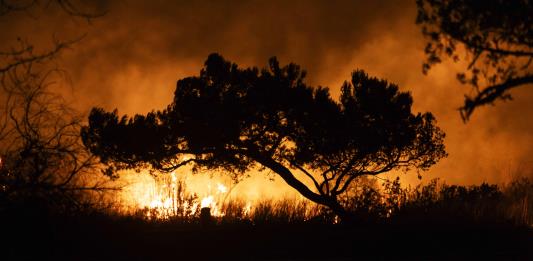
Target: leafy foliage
[496,35]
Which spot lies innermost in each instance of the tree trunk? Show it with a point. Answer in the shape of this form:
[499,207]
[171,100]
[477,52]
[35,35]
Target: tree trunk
[330,202]
[340,211]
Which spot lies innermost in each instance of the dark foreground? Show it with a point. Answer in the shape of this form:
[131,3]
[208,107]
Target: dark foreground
[105,238]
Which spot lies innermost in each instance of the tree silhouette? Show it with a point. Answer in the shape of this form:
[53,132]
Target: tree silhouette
[496,36]
[41,154]
[74,9]
[238,119]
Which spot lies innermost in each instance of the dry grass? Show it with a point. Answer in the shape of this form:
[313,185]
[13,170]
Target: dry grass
[371,202]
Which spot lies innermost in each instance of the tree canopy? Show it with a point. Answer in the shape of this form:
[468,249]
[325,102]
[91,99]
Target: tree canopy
[237,119]
[497,37]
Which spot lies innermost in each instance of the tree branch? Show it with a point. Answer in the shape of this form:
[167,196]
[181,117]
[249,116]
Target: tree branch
[311,177]
[491,93]
[289,178]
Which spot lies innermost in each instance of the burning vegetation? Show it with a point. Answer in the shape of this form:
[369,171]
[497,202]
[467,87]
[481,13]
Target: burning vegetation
[163,198]
[117,187]
[169,199]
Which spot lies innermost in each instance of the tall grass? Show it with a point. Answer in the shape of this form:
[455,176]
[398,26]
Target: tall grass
[369,201]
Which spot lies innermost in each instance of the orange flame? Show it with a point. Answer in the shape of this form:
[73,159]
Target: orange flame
[164,198]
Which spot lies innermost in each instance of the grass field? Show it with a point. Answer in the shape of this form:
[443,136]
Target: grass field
[430,222]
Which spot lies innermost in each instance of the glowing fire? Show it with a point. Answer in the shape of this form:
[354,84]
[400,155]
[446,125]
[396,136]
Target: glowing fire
[247,209]
[214,202]
[164,198]
[221,188]
[207,201]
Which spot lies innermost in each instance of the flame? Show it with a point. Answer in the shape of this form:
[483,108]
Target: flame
[164,197]
[207,202]
[214,202]
[221,188]
[247,209]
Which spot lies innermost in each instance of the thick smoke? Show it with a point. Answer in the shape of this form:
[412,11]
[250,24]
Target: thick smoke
[131,58]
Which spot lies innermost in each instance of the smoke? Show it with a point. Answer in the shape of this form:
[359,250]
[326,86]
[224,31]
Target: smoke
[131,58]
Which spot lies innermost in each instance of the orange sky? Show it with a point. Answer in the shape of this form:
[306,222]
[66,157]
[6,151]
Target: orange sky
[132,57]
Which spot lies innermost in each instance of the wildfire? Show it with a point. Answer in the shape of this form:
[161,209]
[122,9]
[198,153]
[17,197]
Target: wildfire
[247,209]
[207,202]
[164,198]
[221,188]
[214,202]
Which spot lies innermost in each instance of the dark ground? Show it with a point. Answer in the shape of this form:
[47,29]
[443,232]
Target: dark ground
[104,238]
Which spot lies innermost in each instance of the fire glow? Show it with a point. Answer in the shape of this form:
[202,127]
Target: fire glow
[165,196]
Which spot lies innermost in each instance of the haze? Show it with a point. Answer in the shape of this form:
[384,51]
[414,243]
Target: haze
[131,58]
